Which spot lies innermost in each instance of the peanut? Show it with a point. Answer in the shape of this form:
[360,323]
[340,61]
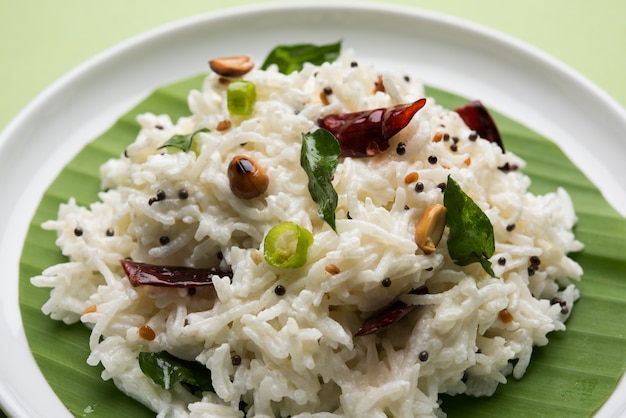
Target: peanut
[430,227]
[233,66]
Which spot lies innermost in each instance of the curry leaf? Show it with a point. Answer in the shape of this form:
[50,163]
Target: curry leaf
[319,159]
[471,237]
[167,371]
[183,142]
[290,58]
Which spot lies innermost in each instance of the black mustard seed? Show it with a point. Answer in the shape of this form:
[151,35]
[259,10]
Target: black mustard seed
[555,300]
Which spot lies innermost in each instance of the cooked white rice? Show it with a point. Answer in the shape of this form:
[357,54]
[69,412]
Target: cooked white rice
[299,356]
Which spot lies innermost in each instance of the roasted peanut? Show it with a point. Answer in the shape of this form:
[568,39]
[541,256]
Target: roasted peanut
[234,66]
[430,228]
[247,178]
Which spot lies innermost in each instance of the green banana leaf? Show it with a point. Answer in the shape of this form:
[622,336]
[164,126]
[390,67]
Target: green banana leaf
[571,377]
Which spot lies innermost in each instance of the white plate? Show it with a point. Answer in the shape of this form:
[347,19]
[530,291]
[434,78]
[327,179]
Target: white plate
[461,57]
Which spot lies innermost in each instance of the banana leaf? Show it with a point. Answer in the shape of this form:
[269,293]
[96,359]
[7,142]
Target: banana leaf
[570,377]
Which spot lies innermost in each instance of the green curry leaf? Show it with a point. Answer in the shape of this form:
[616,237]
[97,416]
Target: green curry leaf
[167,370]
[319,159]
[471,237]
[184,142]
[290,58]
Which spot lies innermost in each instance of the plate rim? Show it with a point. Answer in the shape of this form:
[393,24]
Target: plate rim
[11,404]
[376,5]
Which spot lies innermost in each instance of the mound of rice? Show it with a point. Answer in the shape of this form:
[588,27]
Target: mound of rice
[297,350]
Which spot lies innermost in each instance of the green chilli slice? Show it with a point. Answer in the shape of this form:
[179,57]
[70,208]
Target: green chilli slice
[241,97]
[286,245]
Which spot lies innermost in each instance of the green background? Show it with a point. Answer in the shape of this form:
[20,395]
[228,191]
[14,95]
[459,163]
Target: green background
[42,40]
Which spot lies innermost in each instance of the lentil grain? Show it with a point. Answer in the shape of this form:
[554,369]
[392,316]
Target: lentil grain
[147,333]
[411,177]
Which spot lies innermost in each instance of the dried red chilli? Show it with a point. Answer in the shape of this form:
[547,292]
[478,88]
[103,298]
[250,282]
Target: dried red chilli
[385,318]
[477,117]
[367,133]
[389,315]
[169,276]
